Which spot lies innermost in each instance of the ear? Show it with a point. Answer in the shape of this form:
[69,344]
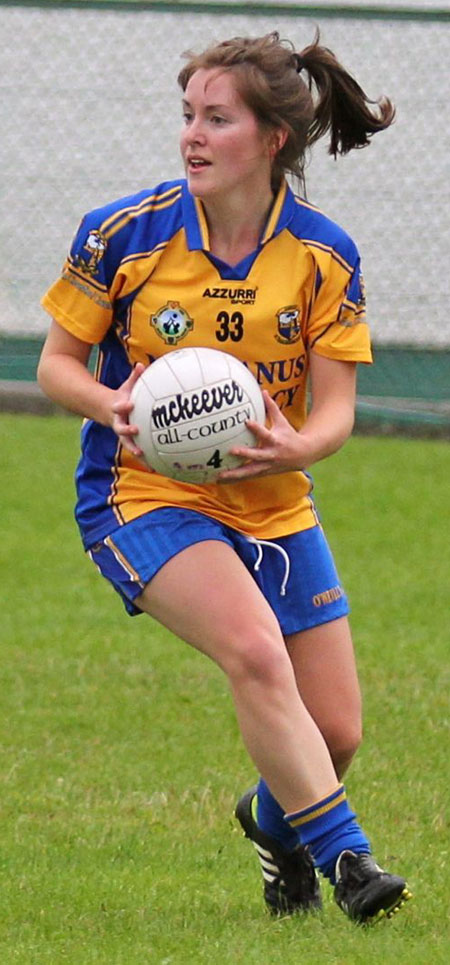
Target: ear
[277,141]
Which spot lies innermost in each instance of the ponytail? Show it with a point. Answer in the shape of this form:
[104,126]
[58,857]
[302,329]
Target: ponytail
[342,107]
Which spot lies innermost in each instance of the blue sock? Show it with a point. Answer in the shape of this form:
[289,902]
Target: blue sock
[328,828]
[270,818]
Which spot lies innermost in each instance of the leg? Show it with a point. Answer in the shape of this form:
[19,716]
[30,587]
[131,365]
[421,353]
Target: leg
[206,596]
[325,671]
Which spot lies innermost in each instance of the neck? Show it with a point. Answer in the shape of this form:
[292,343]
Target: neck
[235,228]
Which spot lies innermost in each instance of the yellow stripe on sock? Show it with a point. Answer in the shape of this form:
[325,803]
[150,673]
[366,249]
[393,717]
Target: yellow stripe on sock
[297,822]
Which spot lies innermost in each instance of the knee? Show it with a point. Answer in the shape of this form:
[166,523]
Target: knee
[343,741]
[260,658]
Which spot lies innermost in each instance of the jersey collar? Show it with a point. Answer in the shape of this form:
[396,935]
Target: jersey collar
[196,227]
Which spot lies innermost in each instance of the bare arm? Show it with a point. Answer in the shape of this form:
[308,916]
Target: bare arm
[63,376]
[328,425]
[332,415]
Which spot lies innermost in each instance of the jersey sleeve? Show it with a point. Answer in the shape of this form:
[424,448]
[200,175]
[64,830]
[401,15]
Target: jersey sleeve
[337,326]
[80,298]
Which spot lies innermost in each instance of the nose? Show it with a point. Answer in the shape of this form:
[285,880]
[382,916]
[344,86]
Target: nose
[195,133]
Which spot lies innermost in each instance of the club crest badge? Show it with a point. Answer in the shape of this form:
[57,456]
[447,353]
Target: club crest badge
[172,323]
[289,328]
[96,245]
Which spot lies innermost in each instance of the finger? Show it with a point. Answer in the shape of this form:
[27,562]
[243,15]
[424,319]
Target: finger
[125,429]
[263,436]
[126,432]
[129,384]
[122,406]
[129,444]
[136,373]
[249,471]
[273,410]
[258,429]
[253,455]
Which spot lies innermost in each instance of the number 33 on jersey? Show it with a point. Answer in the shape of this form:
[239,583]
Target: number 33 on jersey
[140,280]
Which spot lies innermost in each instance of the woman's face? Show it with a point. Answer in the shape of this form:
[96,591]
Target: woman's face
[224,149]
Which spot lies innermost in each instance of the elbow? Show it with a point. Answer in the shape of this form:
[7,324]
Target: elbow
[41,375]
[45,376]
[344,427]
[349,423]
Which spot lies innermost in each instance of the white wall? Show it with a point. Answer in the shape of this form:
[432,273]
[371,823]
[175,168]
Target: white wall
[89,111]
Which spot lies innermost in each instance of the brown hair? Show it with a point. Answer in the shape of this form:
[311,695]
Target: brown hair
[267,73]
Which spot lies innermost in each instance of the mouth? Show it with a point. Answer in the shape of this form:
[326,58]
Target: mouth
[197,163]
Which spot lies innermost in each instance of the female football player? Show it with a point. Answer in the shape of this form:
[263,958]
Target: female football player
[240,568]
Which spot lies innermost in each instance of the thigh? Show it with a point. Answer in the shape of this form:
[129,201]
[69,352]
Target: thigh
[207,597]
[324,664]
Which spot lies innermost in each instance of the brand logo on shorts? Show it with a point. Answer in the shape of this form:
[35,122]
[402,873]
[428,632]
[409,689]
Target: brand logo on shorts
[172,323]
[328,596]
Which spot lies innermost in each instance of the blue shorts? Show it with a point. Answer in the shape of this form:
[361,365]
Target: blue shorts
[296,574]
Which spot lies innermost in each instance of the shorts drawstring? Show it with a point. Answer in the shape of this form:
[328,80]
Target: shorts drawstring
[259,543]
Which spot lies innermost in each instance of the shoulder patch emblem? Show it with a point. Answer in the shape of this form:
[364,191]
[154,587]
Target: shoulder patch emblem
[172,322]
[96,245]
[354,312]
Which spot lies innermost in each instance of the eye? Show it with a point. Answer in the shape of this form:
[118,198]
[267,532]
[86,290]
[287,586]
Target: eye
[217,119]
[187,116]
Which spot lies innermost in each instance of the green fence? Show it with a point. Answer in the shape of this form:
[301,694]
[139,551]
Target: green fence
[405,391]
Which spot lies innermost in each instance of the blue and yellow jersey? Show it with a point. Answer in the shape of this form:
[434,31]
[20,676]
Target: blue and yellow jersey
[140,281]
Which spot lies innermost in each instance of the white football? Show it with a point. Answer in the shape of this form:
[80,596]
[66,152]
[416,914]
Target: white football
[191,407]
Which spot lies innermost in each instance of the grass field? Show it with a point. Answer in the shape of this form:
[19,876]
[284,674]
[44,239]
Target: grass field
[120,756]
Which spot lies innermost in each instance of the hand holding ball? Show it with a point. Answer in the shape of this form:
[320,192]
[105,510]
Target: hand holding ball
[191,407]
